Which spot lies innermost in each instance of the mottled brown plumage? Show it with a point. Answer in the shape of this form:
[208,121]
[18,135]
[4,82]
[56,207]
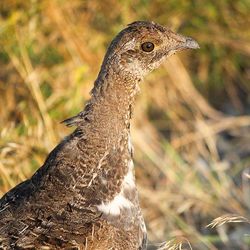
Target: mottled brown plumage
[84,196]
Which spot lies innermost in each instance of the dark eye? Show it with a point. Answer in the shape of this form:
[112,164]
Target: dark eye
[147,46]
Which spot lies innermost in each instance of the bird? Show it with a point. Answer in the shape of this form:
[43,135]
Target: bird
[84,196]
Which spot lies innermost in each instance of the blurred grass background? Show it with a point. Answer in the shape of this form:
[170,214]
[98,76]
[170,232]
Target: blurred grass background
[191,128]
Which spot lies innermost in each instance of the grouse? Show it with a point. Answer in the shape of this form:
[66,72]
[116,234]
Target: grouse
[84,196]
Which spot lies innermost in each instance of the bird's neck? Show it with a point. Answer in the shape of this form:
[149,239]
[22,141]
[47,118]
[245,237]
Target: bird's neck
[111,104]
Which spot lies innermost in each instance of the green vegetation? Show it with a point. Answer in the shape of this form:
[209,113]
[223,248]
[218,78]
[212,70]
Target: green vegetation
[191,123]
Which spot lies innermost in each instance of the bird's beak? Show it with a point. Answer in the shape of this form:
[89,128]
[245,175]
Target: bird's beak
[190,43]
[180,42]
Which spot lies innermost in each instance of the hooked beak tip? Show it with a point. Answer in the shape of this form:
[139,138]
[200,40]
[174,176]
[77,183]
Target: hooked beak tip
[190,43]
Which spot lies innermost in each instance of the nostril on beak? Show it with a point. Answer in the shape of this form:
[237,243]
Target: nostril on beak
[190,43]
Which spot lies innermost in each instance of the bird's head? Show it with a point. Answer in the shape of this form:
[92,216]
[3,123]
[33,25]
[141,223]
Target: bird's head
[142,46]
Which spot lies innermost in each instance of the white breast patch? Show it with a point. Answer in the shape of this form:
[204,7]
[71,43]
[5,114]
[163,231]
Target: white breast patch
[114,207]
[120,202]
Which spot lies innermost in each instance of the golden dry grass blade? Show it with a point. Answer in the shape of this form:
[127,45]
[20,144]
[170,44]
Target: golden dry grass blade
[183,83]
[31,78]
[226,123]
[6,176]
[173,245]
[228,218]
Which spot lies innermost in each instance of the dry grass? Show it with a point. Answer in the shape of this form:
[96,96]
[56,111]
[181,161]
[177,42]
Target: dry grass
[191,123]
[228,218]
[173,245]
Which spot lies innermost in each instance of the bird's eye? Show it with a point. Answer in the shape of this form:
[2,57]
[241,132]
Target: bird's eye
[147,46]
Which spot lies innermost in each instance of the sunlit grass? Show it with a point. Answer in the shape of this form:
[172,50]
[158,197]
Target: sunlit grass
[50,53]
